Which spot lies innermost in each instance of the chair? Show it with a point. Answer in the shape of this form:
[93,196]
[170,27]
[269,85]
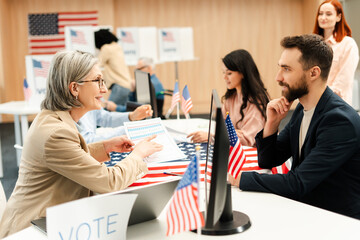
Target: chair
[2,200]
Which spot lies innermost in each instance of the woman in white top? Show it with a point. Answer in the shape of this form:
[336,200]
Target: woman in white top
[331,24]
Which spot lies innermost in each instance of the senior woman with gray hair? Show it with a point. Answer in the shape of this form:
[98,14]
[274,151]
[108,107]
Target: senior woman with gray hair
[57,165]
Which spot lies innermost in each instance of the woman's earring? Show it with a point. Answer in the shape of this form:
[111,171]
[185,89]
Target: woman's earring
[76,97]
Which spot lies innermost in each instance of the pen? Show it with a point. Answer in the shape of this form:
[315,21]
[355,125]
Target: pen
[174,174]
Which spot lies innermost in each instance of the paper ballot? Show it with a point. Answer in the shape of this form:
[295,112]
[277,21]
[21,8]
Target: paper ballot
[138,130]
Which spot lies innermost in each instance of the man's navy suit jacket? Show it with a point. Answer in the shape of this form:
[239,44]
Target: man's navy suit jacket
[327,173]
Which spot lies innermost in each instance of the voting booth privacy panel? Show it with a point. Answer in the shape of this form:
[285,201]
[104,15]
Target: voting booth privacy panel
[162,45]
[138,42]
[80,38]
[176,44]
[37,68]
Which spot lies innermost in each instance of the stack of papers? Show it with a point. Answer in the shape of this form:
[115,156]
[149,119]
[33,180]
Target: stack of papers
[139,130]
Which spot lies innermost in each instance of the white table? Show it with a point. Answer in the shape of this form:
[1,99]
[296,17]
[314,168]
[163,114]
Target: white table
[20,109]
[271,216]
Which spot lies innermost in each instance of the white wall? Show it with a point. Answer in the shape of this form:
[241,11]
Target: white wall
[352,14]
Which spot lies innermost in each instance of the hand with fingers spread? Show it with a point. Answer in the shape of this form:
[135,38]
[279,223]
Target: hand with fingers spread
[276,110]
[147,147]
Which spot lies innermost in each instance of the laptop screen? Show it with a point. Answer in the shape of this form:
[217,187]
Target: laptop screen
[151,200]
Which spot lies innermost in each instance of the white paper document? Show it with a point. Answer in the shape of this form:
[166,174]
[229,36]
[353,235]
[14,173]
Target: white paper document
[138,130]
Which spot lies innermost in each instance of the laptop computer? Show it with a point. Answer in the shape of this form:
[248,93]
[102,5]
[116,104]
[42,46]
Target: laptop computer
[40,224]
[150,202]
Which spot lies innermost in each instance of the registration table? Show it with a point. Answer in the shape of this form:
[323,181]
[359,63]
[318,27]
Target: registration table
[271,216]
[21,110]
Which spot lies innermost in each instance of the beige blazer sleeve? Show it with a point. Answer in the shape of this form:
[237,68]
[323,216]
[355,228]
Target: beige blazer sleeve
[65,156]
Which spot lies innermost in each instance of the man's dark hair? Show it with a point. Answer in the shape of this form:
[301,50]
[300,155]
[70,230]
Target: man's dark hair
[315,52]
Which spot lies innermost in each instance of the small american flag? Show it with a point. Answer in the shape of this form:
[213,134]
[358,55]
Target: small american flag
[176,96]
[237,157]
[46,31]
[41,68]
[78,37]
[127,37]
[183,213]
[167,36]
[186,102]
[27,90]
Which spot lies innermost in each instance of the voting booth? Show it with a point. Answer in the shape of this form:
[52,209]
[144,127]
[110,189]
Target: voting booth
[37,68]
[176,44]
[138,42]
[80,38]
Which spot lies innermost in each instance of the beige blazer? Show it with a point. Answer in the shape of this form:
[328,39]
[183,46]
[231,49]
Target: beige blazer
[57,166]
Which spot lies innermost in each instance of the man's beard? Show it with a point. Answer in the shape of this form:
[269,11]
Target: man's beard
[295,92]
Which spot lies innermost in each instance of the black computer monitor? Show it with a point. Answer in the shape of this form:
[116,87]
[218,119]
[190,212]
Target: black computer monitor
[220,219]
[145,91]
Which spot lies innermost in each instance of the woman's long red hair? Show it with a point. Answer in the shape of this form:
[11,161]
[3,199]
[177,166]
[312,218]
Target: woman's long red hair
[341,30]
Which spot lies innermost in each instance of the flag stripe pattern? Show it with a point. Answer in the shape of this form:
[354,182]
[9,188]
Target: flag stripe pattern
[46,31]
[282,169]
[237,157]
[156,169]
[186,102]
[176,95]
[183,213]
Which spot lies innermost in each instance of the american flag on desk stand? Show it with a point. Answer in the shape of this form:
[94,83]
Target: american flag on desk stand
[174,101]
[237,156]
[176,96]
[183,213]
[46,31]
[186,102]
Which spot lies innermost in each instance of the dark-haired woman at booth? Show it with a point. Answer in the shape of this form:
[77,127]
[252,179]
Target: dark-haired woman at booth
[114,68]
[245,99]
